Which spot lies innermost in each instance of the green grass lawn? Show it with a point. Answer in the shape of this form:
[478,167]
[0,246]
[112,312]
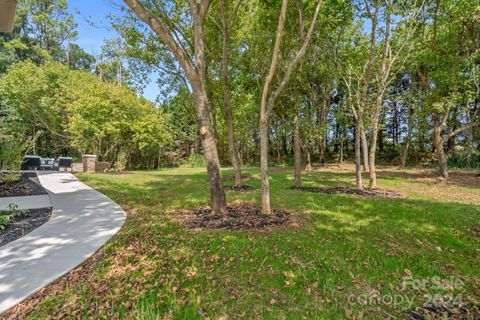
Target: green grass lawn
[348,247]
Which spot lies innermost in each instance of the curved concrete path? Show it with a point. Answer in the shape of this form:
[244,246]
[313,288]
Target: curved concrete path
[82,221]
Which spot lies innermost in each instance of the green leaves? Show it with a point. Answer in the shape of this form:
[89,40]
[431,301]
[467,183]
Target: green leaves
[76,109]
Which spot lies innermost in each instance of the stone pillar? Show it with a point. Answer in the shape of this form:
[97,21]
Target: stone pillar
[89,162]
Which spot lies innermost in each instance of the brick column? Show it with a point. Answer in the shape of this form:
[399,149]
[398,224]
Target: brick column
[89,162]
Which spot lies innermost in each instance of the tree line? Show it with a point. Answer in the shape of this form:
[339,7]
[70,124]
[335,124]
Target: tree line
[297,82]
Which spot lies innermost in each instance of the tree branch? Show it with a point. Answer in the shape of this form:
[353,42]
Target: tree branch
[453,133]
[182,57]
[275,53]
[298,57]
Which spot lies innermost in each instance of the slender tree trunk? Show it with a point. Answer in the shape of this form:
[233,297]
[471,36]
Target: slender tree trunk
[267,102]
[297,151]
[408,139]
[358,158]
[341,151]
[406,147]
[264,163]
[386,64]
[363,138]
[469,141]
[227,101]
[308,167]
[264,110]
[373,145]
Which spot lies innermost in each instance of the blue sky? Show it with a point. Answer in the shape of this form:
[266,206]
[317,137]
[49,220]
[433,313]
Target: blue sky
[94,28]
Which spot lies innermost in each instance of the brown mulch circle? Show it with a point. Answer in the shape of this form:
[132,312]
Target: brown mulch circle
[242,187]
[239,217]
[24,224]
[27,185]
[351,190]
[426,312]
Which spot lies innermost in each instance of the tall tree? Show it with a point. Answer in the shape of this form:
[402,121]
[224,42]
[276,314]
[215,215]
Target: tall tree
[227,20]
[155,14]
[449,40]
[268,99]
[50,23]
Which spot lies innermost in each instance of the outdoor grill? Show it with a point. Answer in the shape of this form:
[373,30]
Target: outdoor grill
[31,162]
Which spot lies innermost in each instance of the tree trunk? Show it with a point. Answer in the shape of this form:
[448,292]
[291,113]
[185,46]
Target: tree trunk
[228,103]
[373,144]
[440,153]
[297,151]
[408,139]
[358,158]
[341,151]
[267,103]
[469,142]
[264,163]
[217,193]
[264,111]
[195,69]
[363,137]
[308,167]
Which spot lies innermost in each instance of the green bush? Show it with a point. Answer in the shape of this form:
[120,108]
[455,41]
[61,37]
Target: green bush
[7,215]
[121,162]
[195,160]
[459,160]
[8,177]
[11,156]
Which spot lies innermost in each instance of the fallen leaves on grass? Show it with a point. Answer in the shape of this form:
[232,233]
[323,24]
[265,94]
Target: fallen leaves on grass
[81,274]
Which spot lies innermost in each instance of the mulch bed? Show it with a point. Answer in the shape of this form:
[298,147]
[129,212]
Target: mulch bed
[239,217]
[27,185]
[427,312]
[242,187]
[21,225]
[350,190]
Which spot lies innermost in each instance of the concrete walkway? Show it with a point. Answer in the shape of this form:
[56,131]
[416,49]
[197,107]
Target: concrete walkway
[26,202]
[82,221]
